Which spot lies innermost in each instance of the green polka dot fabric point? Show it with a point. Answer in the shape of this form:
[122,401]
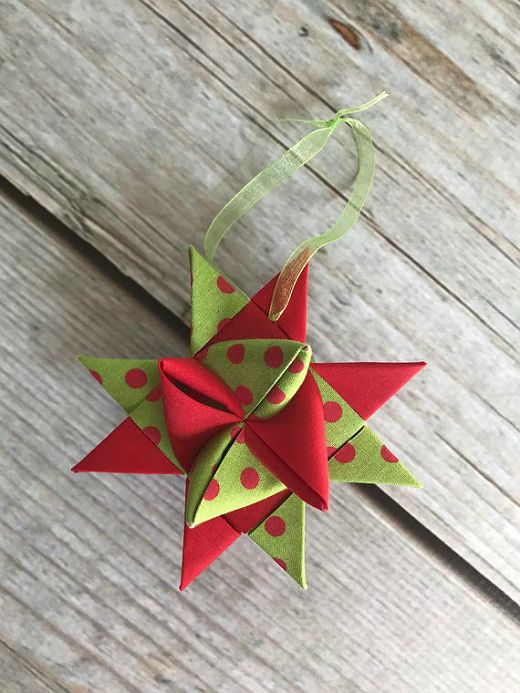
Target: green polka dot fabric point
[214,301]
[128,381]
[257,428]
[364,459]
[282,536]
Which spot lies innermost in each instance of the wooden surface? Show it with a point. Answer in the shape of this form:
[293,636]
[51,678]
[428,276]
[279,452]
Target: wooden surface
[130,123]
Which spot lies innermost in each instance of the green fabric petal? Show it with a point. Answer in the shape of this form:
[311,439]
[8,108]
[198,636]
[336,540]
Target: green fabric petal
[214,299]
[282,536]
[259,371]
[226,476]
[128,381]
[364,459]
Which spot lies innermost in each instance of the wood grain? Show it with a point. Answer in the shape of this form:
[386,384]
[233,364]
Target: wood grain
[89,564]
[127,127]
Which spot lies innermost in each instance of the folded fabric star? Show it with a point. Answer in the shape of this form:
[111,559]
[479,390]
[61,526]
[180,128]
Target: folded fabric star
[255,425]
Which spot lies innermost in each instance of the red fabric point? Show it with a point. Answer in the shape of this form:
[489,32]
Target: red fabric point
[202,545]
[136,378]
[332,411]
[274,356]
[275,395]
[126,451]
[275,526]
[155,394]
[153,433]
[97,376]
[236,353]
[224,285]
[367,386]
[249,478]
[296,366]
[282,564]
[345,454]
[244,395]
[330,451]
[212,491]
[387,455]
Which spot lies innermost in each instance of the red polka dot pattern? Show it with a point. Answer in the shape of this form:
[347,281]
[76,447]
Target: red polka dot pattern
[236,353]
[387,455]
[275,526]
[275,395]
[155,394]
[330,451]
[249,478]
[244,394]
[296,366]
[224,285]
[97,376]
[212,491]
[345,454]
[282,564]
[136,378]
[332,412]
[153,433]
[274,356]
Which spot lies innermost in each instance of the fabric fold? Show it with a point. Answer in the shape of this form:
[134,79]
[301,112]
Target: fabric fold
[197,404]
[292,445]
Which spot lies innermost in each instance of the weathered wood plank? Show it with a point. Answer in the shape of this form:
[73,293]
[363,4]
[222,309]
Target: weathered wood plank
[123,128]
[89,564]
[18,675]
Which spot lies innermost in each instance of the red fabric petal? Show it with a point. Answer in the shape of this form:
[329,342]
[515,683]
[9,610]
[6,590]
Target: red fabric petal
[197,404]
[367,386]
[203,544]
[292,445]
[127,450]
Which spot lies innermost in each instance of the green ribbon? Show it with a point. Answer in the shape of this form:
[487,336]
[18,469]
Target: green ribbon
[275,173]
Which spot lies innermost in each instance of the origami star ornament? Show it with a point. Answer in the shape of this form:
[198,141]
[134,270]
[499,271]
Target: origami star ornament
[258,428]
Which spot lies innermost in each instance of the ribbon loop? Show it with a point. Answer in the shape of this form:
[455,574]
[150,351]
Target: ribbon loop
[279,170]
